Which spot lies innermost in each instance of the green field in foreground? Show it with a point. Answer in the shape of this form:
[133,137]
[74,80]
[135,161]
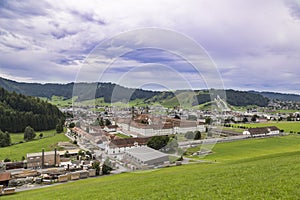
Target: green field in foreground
[15,152]
[272,175]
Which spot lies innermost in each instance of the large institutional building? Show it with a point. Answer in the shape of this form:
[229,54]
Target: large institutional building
[147,126]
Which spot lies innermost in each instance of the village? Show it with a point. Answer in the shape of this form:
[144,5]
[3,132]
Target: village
[118,141]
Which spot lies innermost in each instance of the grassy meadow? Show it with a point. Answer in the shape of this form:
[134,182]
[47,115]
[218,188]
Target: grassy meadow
[255,169]
[251,148]
[18,137]
[15,152]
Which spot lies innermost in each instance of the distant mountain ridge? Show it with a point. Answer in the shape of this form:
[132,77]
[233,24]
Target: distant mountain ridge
[279,96]
[105,90]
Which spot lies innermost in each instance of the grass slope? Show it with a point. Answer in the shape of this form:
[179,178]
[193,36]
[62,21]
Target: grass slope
[271,176]
[251,148]
[15,152]
[17,137]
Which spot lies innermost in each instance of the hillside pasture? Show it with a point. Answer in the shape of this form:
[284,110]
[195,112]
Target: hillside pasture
[15,152]
[269,175]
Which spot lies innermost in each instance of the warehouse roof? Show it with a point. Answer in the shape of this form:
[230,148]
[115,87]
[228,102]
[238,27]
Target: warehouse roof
[145,153]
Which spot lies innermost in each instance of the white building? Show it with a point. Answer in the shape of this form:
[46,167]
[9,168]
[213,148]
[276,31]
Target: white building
[162,127]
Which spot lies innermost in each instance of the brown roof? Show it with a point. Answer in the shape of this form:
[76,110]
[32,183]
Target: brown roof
[5,176]
[128,142]
[112,126]
[262,130]
[273,128]
[158,123]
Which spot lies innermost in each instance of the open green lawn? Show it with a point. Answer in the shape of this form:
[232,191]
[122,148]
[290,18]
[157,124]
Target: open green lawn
[270,172]
[15,152]
[286,126]
[17,137]
[256,147]
[120,135]
[284,111]
[61,102]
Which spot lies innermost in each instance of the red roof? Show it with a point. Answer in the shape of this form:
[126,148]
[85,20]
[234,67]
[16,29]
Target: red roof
[262,130]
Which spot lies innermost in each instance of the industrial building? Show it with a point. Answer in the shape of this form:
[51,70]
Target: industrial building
[145,157]
[43,159]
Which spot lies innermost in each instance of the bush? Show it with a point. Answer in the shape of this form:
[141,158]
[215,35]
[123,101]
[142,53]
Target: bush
[29,133]
[197,135]
[96,166]
[67,155]
[106,167]
[189,135]
[5,139]
[59,128]
[72,125]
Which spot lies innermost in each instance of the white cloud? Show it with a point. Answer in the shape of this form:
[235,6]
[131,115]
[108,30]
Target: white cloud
[254,43]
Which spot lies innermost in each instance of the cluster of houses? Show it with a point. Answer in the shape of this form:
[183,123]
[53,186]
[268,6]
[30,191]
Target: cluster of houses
[122,147]
[131,151]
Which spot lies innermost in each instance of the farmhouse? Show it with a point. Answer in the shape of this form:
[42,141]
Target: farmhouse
[262,131]
[145,157]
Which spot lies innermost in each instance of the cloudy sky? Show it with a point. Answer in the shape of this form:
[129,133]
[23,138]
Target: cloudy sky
[254,45]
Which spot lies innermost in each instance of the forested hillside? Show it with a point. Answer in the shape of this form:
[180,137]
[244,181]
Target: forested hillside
[279,96]
[111,92]
[18,111]
[241,98]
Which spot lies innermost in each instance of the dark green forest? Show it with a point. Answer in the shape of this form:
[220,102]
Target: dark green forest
[18,111]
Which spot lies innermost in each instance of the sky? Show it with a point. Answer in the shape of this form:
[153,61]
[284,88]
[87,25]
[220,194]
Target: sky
[248,45]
